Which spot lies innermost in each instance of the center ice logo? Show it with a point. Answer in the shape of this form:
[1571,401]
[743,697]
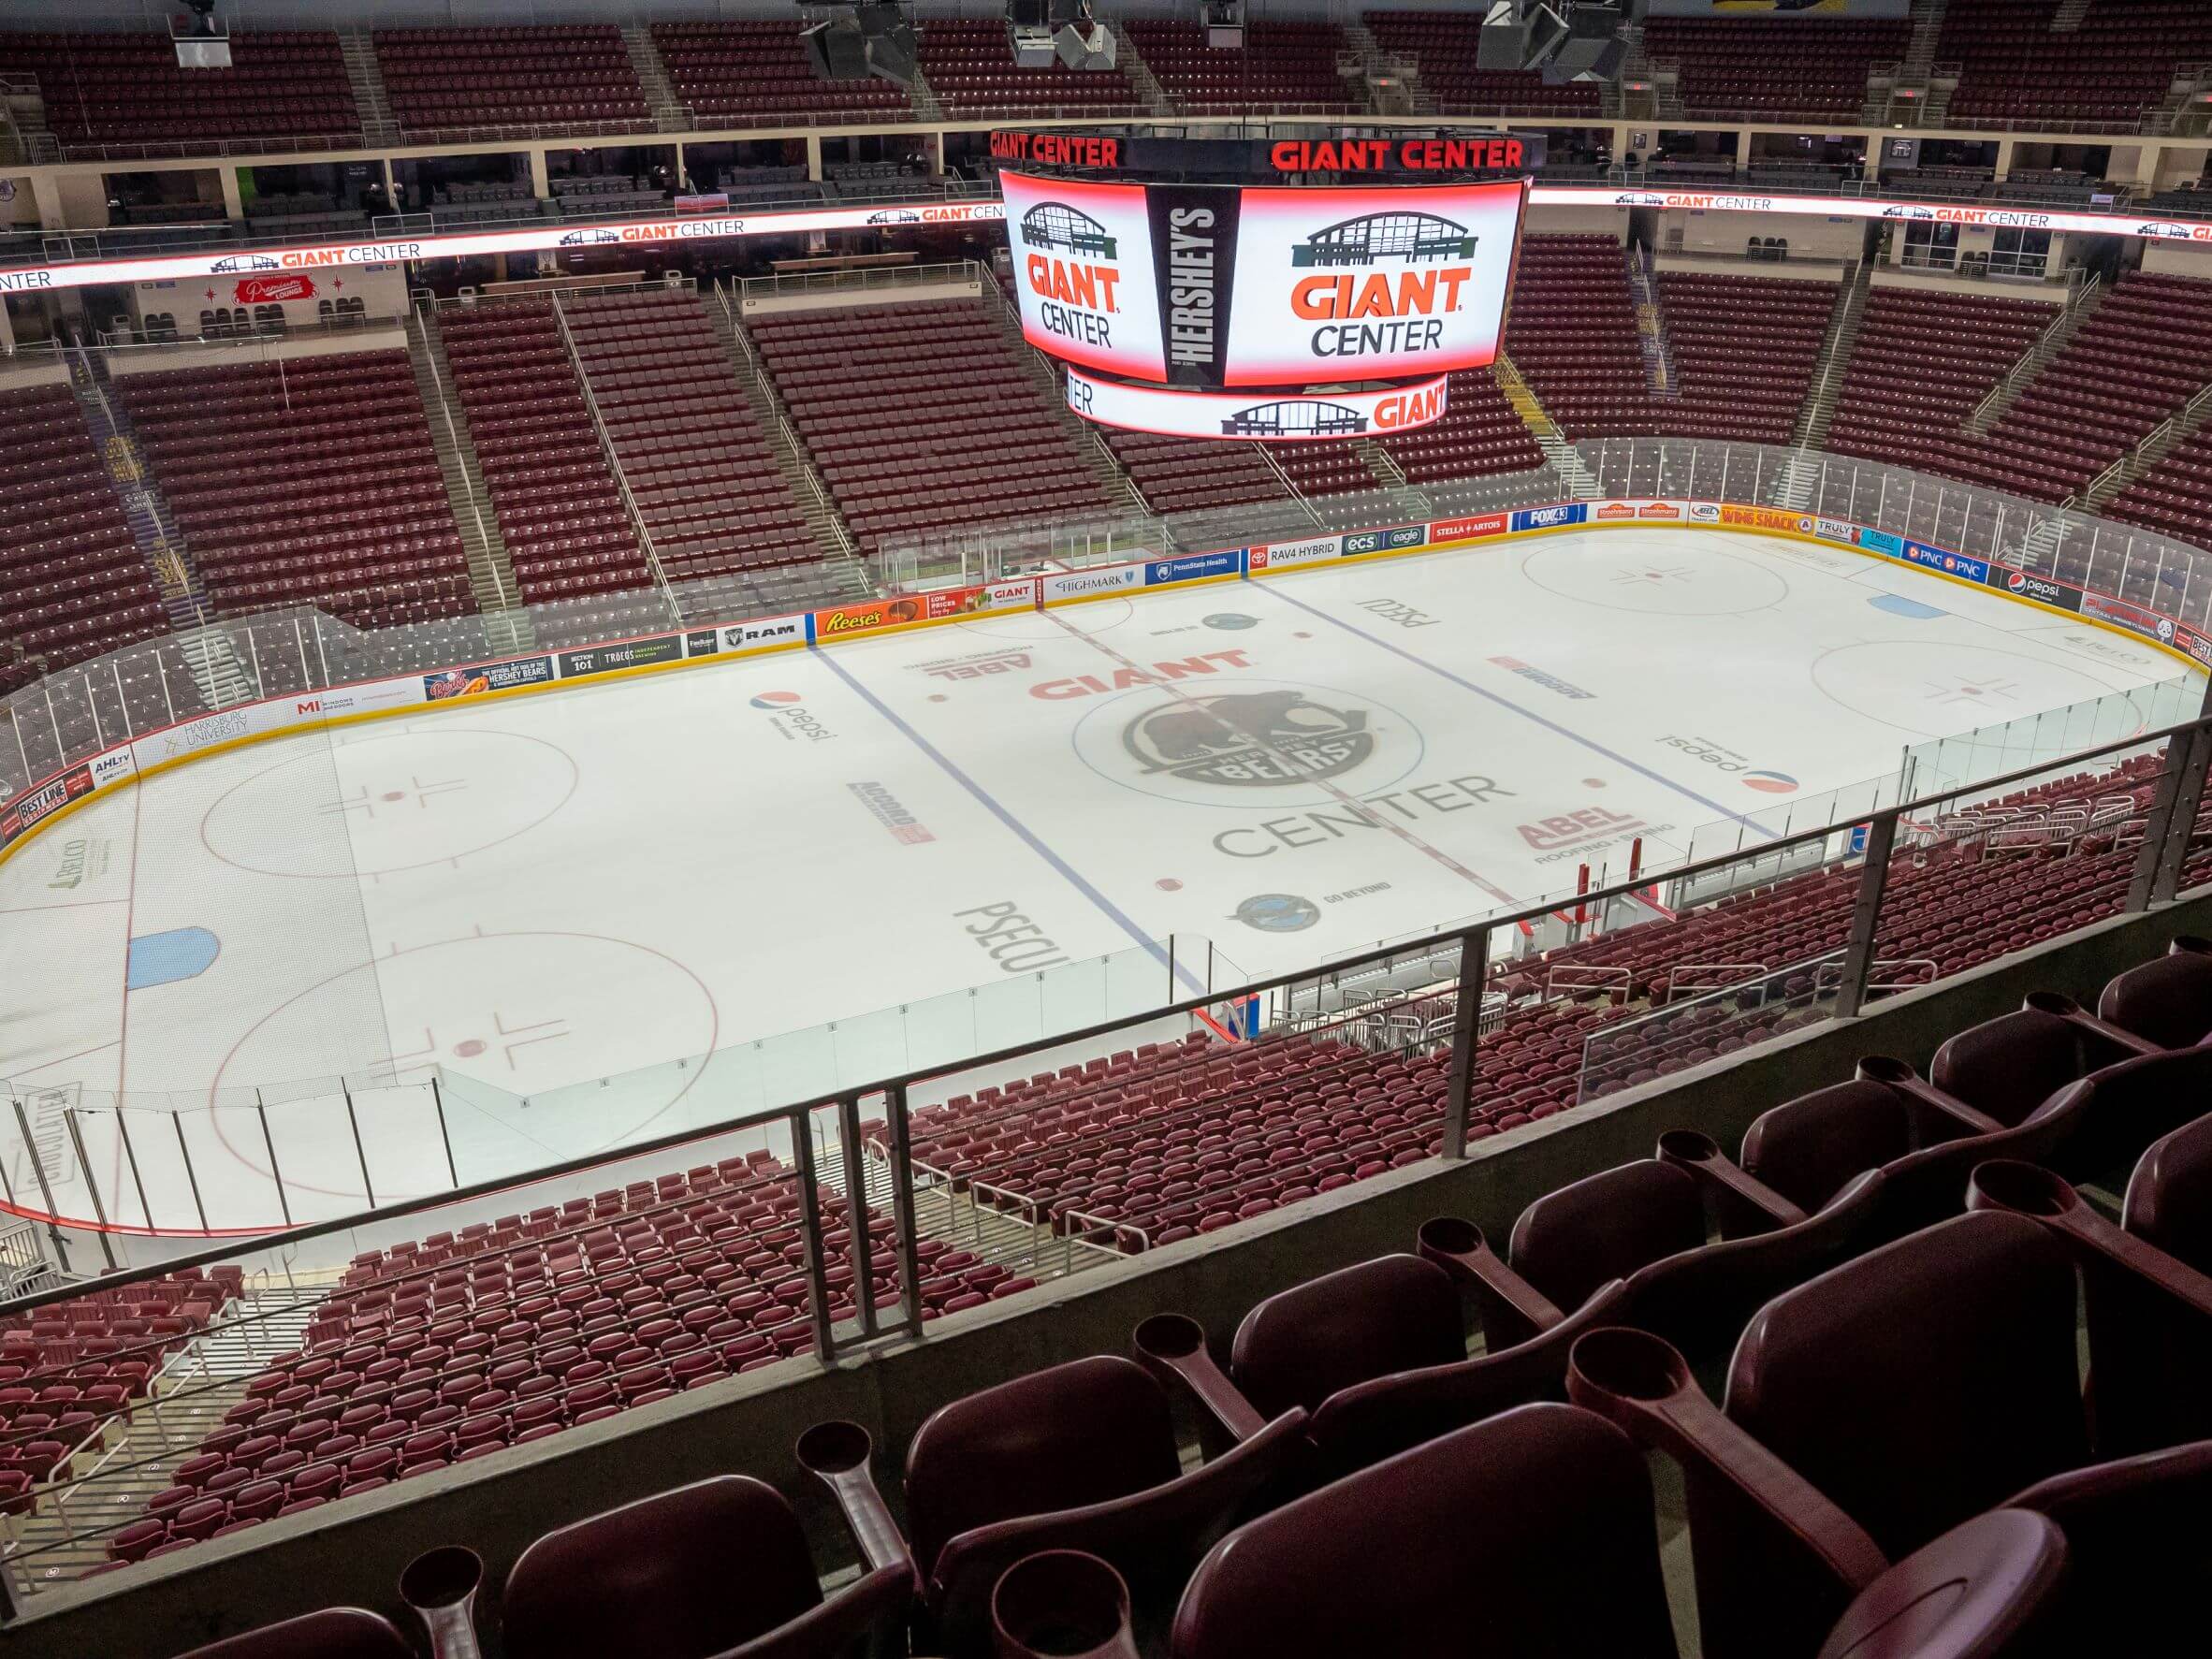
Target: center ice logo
[1250,740]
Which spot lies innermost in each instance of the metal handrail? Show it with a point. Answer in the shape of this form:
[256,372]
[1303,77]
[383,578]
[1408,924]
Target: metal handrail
[2032,361]
[606,446]
[790,439]
[461,454]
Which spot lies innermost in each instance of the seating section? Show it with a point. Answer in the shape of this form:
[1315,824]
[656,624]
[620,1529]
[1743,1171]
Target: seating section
[72,582]
[2175,496]
[306,482]
[686,436]
[125,87]
[1743,348]
[68,1370]
[2141,354]
[1738,68]
[435,1352]
[968,65]
[1922,363]
[557,75]
[1480,434]
[1279,64]
[1190,474]
[2116,64]
[924,418]
[735,72]
[558,509]
[1443,48]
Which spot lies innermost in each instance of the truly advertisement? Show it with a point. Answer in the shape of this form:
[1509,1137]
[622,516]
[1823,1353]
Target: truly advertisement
[2040,588]
[1951,564]
[1083,276]
[1270,418]
[1351,284]
[629,654]
[1835,530]
[489,676]
[1194,567]
[1881,541]
[1565,513]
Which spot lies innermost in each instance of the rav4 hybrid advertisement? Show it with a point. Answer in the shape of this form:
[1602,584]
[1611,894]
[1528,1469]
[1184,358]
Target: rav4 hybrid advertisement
[1209,285]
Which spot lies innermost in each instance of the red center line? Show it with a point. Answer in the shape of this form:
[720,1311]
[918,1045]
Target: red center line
[1292,764]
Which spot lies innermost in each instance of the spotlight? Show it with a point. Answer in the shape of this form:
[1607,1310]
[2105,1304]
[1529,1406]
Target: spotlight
[1566,39]
[875,41]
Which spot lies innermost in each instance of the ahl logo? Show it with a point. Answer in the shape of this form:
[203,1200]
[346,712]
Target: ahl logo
[1278,912]
[1249,739]
[1705,512]
[1774,783]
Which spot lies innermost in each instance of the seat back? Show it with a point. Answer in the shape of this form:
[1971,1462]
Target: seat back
[2169,1200]
[1924,1381]
[1605,1227]
[2168,1000]
[1374,1319]
[1483,1540]
[1151,1539]
[1063,1438]
[2009,1066]
[2136,1540]
[1807,1148]
[2127,1107]
[1700,1300]
[335,1633]
[1929,1186]
[1360,1425]
[689,1572]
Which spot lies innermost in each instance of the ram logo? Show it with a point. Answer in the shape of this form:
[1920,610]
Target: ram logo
[239,262]
[1056,225]
[1386,236]
[895,216]
[584,238]
[1295,418]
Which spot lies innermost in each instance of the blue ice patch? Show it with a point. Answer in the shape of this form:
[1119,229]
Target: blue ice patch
[1897,606]
[162,958]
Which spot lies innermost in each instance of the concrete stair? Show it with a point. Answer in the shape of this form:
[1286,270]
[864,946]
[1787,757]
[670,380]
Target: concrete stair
[64,1535]
[1132,65]
[1108,471]
[1651,324]
[2069,17]
[2036,357]
[1928,28]
[833,539]
[670,114]
[22,124]
[370,101]
[1819,411]
[613,458]
[1578,479]
[2166,436]
[491,572]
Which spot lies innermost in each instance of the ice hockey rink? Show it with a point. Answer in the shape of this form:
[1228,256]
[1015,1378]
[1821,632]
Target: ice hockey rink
[543,892]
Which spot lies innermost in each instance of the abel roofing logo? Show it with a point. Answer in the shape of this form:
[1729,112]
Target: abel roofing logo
[1773,783]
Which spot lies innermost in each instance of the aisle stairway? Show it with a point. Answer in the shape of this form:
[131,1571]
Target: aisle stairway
[63,1537]
[670,114]
[1819,411]
[374,105]
[491,575]
[1557,450]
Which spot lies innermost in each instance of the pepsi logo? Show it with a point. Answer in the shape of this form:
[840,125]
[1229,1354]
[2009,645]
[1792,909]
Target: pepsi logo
[1774,783]
[776,699]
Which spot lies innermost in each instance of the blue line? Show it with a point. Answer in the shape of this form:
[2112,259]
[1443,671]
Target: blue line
[1276,588]
[990,804]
